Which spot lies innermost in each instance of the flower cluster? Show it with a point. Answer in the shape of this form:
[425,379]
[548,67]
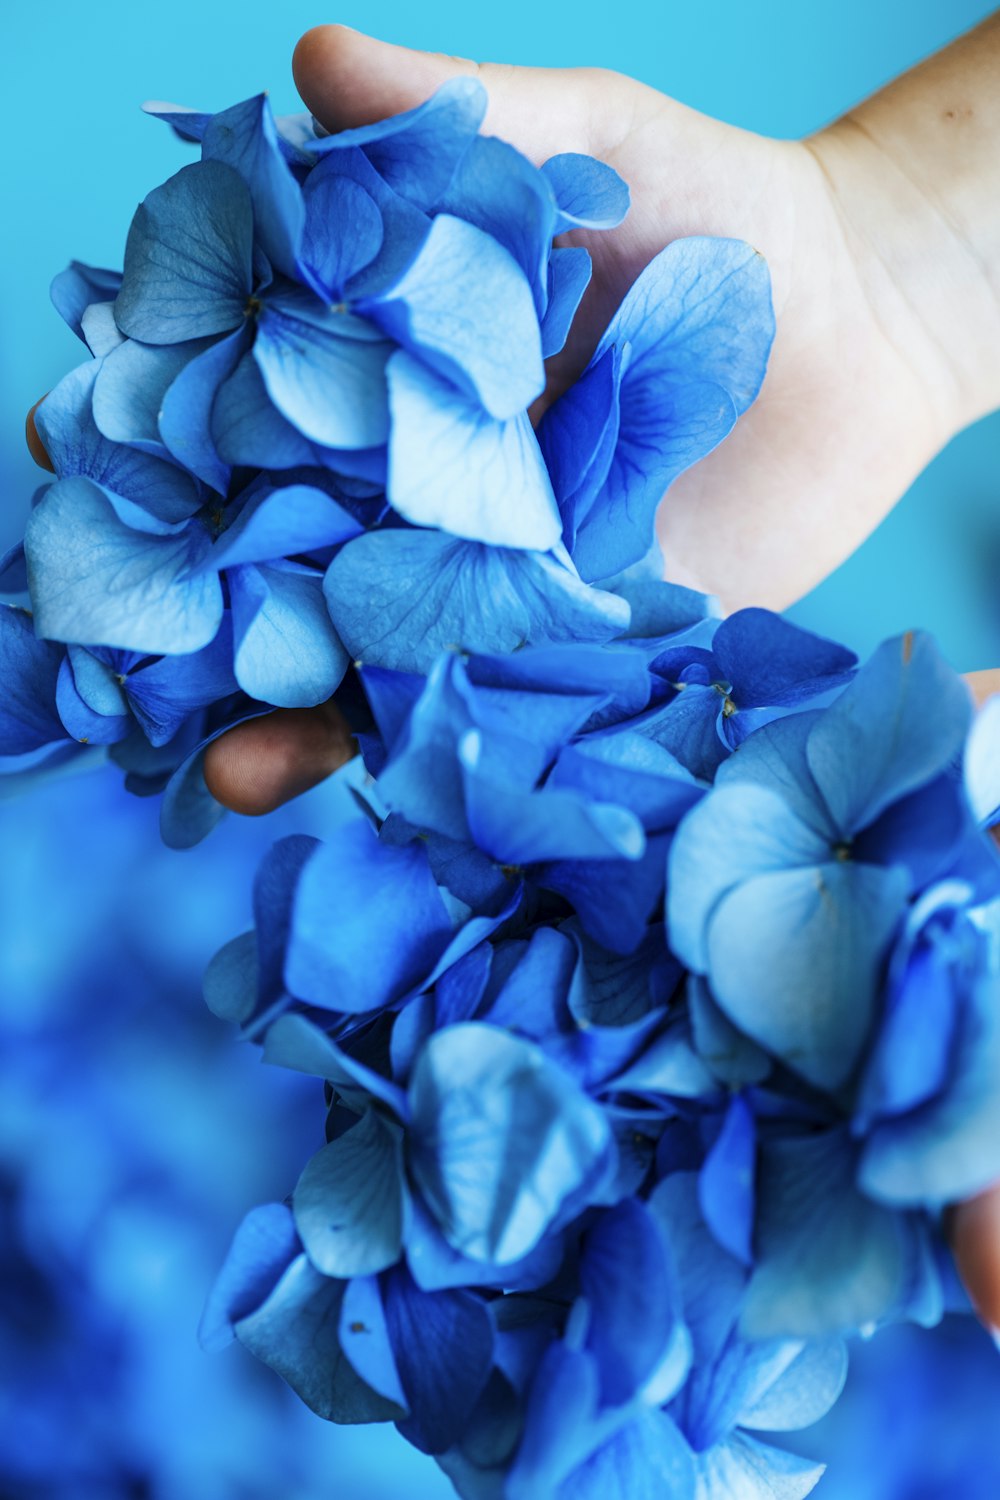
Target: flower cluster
[654,985]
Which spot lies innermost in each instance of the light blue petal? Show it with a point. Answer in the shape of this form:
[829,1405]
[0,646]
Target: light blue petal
[345,967]
[821,932]
[982,762]
[95,579]
[286,651]
[502,1140]
[296,1333]
[364,1338]
[829,1260]
[99,329]
[647,1460]
[712,1281]
[244,137]
[804,1391]
[454,466]
[399,598]
[247,428]
[263,1247]
[75,289]
[460,267]
[185,416]
[417,152]
[732,1057]
[350,1200]
[76,446]
[29,668]
[590,194]
[502,193]
[569,276]
[744,1469]
[324,370]
[734,833]
[878,741]
[188,257]
[129,390]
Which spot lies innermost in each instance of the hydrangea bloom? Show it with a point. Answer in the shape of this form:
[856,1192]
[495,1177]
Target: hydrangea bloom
[654,985]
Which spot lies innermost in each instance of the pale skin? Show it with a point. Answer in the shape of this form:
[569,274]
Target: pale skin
[882,234]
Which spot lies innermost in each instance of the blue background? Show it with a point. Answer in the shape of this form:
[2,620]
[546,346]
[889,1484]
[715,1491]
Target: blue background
[133,1130]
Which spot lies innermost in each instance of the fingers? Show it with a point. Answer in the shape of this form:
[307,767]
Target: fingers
[35,445]
[348,79]
[261,764]
[983,684]
[975,1239]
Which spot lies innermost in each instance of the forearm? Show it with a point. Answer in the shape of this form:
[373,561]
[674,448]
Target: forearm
[916,174]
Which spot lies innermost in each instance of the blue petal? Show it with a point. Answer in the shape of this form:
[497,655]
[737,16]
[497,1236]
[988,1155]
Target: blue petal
[99,329]
[404,227]
[878,741]
[95,579]
[281,523]
[263,1247]
[726,1181]
[398,598]
[185,416]
[30,671]
[502,193]
[982,762]
[84,722]
[688,727]
[324,370]
[647,1460]
[732,1057]
[295,1042]
[630,1287]
[578,435]
[75,289]
[828,1259]
[346,968]
[590,194]
[502,1140]
[744,1469]
[452,465]
[76,446]
[822,932]
[735,833]
[343,230]
[286,651]
[350,1200]
[435,1265]
[244,137]
[247,427]
[418,151]
[569,275]
[296,1333]
[460,267]
[712,1281]
[804,1391]
[188,268]
[443,1343]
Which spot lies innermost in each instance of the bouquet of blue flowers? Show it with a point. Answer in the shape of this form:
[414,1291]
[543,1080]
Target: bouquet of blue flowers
[655,987]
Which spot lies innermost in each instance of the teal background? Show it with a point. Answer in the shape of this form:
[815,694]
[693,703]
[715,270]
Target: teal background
[77,156]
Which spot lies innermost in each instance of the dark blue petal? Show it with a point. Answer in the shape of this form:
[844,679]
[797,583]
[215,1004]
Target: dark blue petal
[732,1057]
[324,370]
[443,1344]
[578,435]
[502,1140]
[404,226]
[343,230]
[263,1247]
[459,266]
[244,137]
[878,741]
[417,152]
[454,466]
[590,194]
[30,671]
[350,1200]
[188,257]
[768,660]
[398,598]
[296,1333]
[95,579]
[346,968]
[294,1042]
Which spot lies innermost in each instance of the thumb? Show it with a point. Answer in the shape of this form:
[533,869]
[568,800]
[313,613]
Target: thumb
[348,79]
